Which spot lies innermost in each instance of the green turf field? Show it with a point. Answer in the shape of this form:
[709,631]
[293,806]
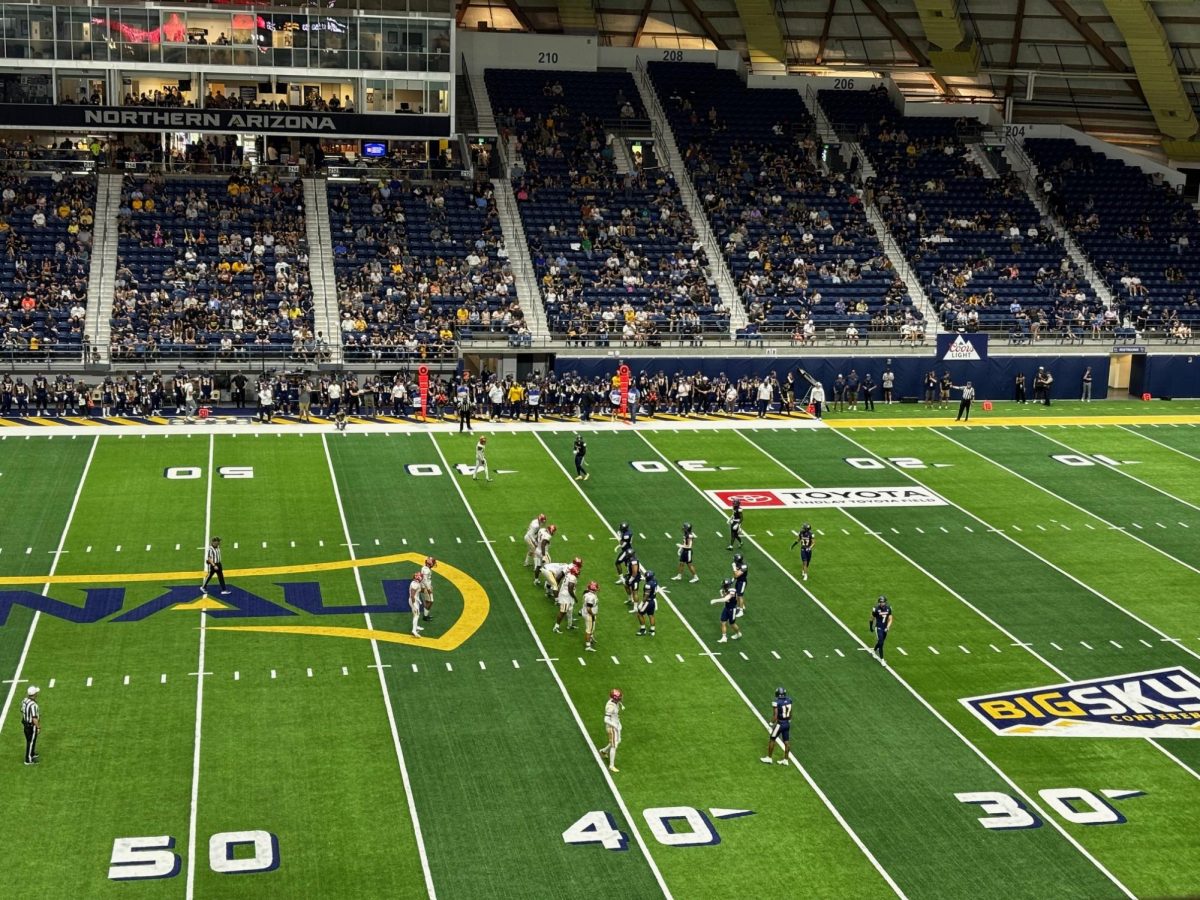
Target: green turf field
[293,739]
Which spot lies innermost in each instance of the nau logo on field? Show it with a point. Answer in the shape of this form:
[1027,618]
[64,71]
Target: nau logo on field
[1161,703]
[300,599]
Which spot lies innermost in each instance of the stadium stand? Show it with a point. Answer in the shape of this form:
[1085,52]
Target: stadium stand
[46,222]
[1142,236]
[419,267]
[617,255]
[797,240]
[212,266]
[979,245]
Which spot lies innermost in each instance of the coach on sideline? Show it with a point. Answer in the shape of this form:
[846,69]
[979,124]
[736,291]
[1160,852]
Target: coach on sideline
[31,718]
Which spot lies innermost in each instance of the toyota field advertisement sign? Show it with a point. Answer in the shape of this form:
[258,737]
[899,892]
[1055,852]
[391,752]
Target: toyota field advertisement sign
[833,497]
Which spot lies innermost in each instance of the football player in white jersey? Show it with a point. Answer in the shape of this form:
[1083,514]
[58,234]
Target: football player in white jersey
[531,536]
[427,587]
[414,601]
[612,725]
[591,604]
[554,572]
[541,550]
[481,463]
[566,599]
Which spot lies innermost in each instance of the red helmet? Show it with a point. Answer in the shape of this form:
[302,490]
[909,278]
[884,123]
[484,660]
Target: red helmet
[593,587]
[430,561]
[615,694]
[553,529]
[577,563]
[541,517]
[418,577]
[574,570]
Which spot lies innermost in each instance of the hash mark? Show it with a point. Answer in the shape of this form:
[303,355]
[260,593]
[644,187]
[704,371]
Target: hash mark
[1115,644]
[1136,525]
[844,531]
[944,529]
[902,651]
[743,656]
[126,680]
[29,550]
[264,545]
[89,681]
[162,680]
[920,531]
[1016,528]
[1064,527]
[404,541]
[647,659]
[431,540]
[776,655]
[642,536]
[769,534]
[820,532]
[1087,645]
[147,548]
[1089,525]
[839,653]
[176,546]
[293,543]
[1147,643]
[1041,528]
[809,655]
[934,651]
[449,668]
[1055,646]
[319,544]
[309,672]
[235,545]
[593,537]
[1185,524]
[482,665]
[994,647]
[963,649]
[272,673]
[894,531]
[458,539]
[51,684]
[376,542]
[345,671]
[582,662]
[679,657]
[616,662]
[414,667]
[516,665]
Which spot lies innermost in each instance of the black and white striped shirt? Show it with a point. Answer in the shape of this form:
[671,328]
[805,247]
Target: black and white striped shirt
[29,711]
[214,556]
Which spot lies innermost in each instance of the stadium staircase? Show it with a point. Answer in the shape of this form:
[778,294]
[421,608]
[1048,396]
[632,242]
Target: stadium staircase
[622,158]
[103,272]
[320,267]
[1024,168]
[980,158]
[485,116]
[529,294]
[665,140]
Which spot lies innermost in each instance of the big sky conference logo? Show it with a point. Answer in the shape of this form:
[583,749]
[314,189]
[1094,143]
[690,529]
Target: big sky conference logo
[104,599]
[1163,703]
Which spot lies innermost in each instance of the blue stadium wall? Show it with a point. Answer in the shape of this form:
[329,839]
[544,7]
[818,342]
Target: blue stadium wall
[1166,375]
[993,378]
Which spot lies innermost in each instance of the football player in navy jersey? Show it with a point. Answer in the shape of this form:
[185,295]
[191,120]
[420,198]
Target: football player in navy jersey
[735,525]
[804,537]
[730,600]
[685,554]
[581,472]
[624,550]
[741,572]
[646,606]
[781,727]
[881,624]
[633,582]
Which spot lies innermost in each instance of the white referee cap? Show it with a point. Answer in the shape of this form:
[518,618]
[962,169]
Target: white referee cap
[33,689]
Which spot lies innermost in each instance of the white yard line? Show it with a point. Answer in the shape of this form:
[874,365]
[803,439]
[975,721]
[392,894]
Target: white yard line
[612,786]
[387,698]
[1118,469]
[195,795]
[1070,503]
[1027,798]
[1147,437]
[62,540]
[1037,556]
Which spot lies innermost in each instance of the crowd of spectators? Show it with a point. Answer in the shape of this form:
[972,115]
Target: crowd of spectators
[797,240]
[212,265]
[419,266]
[46,225]
[616,254]
[978,244]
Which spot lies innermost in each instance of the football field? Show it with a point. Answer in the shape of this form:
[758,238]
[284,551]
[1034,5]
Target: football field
[292,738]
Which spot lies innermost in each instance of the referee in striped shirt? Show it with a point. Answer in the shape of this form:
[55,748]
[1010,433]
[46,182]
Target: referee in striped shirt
[212,561]
[31,718]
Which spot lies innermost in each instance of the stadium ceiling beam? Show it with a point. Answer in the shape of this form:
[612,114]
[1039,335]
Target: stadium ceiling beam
[702,20]
[1015,50]
[820,60]
[519,14]
[642,19]
[1076,21]
[461,12]
[898,35]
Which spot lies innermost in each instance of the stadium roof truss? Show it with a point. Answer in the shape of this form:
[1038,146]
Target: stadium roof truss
[1129,69]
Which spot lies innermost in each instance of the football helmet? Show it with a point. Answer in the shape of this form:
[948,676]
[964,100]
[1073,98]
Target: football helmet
[687,527]
[738,560]
[780,693]
[542,518]
[615,694]
[577,563]
[430,561]
[418,577]
[553,529]
[624,527]
[483,440]
[593,587]
[737,504]
[727,585]
[574,570]
[882,599]
[805,528]
[649,574]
